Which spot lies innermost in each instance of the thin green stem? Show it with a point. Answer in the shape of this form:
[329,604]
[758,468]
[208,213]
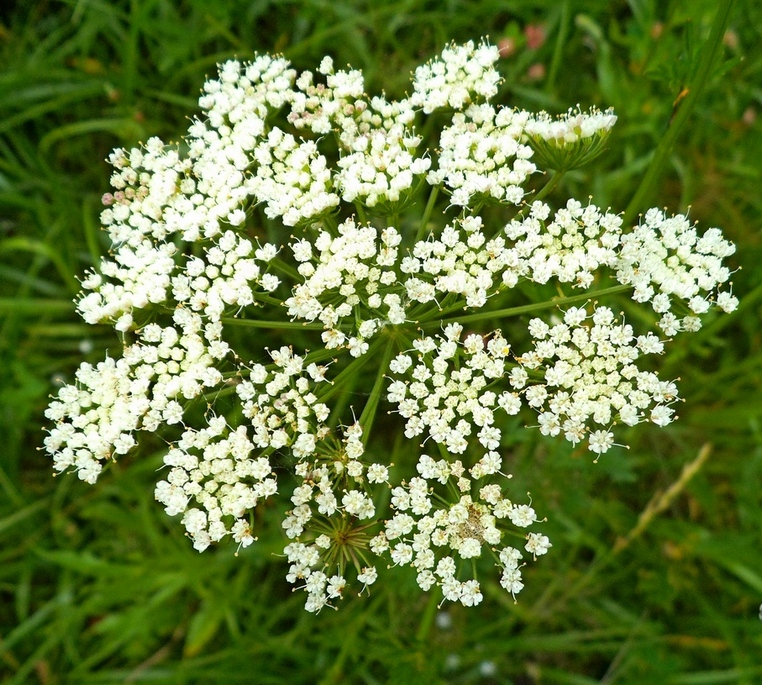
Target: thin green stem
[558,50]
[369,411]
[427,214]
[361,216]
[528,308]
[287,269]
[354,367]
[441,312]
[267,299]
[550,185]
[319,355]
[658,504]
[275,325]
[427,619]
[683,109]
[543,192]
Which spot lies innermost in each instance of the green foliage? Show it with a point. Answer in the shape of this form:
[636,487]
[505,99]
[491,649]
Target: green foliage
[97,584]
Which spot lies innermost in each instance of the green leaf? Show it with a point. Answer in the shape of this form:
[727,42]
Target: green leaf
[203,626]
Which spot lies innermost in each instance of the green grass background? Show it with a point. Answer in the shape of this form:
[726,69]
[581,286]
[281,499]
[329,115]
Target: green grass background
[654,578]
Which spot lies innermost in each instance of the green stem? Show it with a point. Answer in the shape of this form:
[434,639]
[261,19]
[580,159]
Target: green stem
[543,192]
[681,112]
[259,323]
[528,308]
[550,185]
[444,310]
[558,51]
[427,214]
[361,216]
[287,269]
[369,411]
[427,619]
[354,367]
[319,355]
[658,504]
[267,299]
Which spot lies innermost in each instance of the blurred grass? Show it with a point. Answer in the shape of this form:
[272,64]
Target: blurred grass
[97,585]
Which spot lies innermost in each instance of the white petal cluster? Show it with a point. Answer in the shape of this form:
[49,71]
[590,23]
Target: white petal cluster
[571,247]
[140,277]
[224,277]
[460,75]
[459,261]
[292,179]
[215,469]
[243,91]
[365,260]
[334,484]
[570,140]
[97,416]
[590,378]
[447,392]
[305,566]
[344,276]
[435,535]
[380,164]
[377,143]
[152,188]
[280,405]
[482,156]
[221,147]
[321,107]
[666,260]
[94,419]
[570,127]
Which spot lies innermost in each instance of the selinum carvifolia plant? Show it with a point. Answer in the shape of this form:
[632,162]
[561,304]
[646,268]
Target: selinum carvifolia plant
[304,287]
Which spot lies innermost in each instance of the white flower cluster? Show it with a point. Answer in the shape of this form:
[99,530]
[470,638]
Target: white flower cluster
[214,466]
[329,506]
[590,377]
[571,248]
[436,538]
[447,394]
[320,107]
[235,130]
[460,261]
[348,192]
[292,179]
[570,140]
[142,275]
[146,201]
[481,156]
[571,127]
[96,418]
[346,278]
[280,405]
[380,164]
[459,75]
[666,259]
